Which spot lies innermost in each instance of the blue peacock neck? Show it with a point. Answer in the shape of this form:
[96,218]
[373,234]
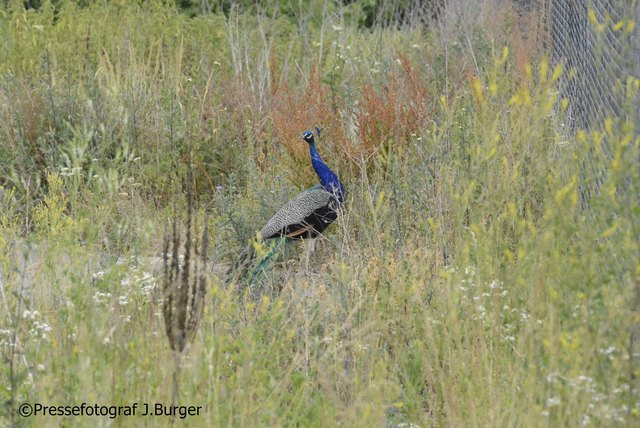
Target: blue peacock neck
[328,179]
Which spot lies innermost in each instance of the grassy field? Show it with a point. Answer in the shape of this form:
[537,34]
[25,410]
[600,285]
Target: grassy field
[474,279]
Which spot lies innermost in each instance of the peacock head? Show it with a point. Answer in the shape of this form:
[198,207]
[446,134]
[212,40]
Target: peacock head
[309,137]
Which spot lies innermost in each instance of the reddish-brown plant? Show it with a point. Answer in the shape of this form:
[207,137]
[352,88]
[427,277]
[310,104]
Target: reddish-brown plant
[396,111]
[292,113]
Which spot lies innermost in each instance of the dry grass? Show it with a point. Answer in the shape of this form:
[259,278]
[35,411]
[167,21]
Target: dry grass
[464,285]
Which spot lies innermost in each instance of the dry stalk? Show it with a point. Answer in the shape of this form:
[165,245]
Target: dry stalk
[184,287]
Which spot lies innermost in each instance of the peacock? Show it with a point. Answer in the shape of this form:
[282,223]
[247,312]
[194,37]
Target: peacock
[304,218]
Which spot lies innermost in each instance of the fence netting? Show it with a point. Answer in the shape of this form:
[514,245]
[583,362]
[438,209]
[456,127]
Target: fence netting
[598,43]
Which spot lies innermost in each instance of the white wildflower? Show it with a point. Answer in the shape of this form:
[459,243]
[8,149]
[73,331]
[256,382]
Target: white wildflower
[123,300]
[553,401]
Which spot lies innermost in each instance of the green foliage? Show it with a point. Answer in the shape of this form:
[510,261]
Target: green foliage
[474,279]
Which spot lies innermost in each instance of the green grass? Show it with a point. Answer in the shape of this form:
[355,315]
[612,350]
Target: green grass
[470,281]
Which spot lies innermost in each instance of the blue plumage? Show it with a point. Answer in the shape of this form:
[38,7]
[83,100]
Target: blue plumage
[328,179]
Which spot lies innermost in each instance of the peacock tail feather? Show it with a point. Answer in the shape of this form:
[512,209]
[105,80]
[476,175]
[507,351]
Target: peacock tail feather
[268,254]
[257,258]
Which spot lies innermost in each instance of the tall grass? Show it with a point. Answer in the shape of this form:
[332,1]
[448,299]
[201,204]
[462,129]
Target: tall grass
[465,284]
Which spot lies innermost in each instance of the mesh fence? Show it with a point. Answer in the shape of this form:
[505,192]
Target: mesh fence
[598,41]
[599,44]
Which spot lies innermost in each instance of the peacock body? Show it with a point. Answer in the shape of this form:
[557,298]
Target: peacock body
[305,217]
